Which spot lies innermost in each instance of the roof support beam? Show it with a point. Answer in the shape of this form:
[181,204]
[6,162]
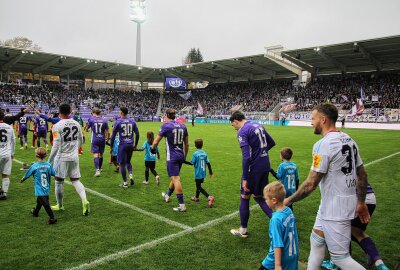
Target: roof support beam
[45,66]
[300,63]
[234,72]
[196,75]
[120,75]
[329,58]
[176,74]
[370,57]
[73,69]
[12,62]
[269,72]
[146,75]
[213,72]
[100,71]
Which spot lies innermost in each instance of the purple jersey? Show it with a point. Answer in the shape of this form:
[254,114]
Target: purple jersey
[99,126]
[175,134]
[41,125]
[125,127]
[255,142]
[23,123]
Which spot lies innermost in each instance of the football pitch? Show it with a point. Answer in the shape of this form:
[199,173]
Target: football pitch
[136,229]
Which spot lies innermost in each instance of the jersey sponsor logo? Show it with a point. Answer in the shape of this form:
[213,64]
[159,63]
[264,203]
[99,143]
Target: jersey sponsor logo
[316,160]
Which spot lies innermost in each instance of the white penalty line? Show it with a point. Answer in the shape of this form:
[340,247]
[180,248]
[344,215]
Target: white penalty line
[139,248]
[135,208]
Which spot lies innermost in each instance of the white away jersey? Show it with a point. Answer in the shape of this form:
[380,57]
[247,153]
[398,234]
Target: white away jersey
[67,134]
[336,155]
[7,140]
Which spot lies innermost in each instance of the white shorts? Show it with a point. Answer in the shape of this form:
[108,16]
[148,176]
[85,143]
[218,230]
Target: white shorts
[337,235]
[5,165]
[66,169]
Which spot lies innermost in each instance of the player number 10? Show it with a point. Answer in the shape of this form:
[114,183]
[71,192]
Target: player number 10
[178,135]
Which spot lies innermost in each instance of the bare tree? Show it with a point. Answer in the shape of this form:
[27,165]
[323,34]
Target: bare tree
[21,43]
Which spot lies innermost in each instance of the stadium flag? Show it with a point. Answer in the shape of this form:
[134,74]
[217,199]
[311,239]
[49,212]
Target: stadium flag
[362,94]
[187,95]
[357,109]
[378,112]
[199,110]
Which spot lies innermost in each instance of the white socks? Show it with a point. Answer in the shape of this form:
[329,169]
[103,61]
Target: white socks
[347,263]
[59,189]
[5,185]
[317,252]
[80,189]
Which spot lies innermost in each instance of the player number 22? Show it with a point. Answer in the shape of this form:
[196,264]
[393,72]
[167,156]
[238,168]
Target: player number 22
[67,133]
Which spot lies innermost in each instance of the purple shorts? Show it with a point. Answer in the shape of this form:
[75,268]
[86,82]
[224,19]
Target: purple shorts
[98,148]
[174,167]
[256,183]
[125,153]
[22,132]
[42,134]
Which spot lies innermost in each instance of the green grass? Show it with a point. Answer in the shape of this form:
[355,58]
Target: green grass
[28,243]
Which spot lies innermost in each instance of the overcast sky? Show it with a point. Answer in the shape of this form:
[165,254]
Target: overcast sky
[101,29]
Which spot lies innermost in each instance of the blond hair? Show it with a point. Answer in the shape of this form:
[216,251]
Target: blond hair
[275,190]
[40,152]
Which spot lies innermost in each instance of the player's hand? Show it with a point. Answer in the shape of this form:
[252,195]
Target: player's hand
[153,150]
[37,111]
[25,110]
[362,212]
[134,147]
[244,185]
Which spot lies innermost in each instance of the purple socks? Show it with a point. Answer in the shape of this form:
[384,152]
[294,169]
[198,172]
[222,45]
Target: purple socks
[261,202]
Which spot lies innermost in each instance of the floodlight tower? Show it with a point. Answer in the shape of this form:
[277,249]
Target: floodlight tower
[137,15]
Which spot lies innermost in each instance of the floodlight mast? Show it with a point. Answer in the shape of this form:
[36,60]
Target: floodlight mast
[138,15]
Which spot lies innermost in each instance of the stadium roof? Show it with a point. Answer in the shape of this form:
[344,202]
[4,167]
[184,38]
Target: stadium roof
[357,56]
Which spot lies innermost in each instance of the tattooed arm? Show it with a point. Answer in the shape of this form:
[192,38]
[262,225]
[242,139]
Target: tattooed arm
[306,188]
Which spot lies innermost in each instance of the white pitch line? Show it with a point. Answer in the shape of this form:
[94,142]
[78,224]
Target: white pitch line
[379,160]
[135,208]
[139,248]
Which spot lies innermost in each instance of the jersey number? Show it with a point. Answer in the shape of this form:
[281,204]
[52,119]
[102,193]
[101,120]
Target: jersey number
[44,180]
[261,136]
[68,136]
[292,245]
[3,135]
[346,151]
[127,129]
[97,127]
[291,182]
[178,135]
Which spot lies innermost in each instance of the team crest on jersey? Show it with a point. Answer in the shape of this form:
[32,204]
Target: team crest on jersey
[240,138]
[55,135]
[316,160]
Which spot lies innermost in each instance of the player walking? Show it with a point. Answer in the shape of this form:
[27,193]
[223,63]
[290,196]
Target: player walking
[67,134]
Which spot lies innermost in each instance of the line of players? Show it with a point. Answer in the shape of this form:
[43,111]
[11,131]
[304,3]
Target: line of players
[255,143]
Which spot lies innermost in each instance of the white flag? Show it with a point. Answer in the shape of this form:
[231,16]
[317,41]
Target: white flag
[357,109]
[187,95]
[199,110]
